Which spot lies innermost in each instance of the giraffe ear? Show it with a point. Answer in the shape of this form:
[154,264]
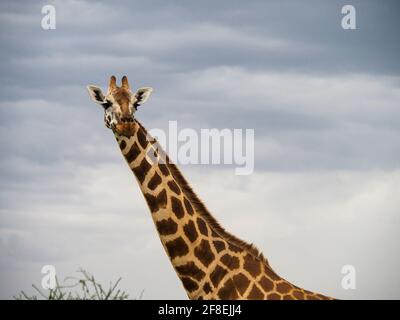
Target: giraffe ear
[96,94]
[141,95]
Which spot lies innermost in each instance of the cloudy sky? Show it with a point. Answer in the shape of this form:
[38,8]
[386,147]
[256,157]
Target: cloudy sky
[323,101]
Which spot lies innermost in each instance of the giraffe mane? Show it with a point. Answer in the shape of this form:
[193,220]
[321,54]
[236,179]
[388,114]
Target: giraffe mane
[203,211]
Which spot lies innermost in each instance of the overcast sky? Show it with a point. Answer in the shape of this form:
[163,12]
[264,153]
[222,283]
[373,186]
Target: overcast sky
[323,101]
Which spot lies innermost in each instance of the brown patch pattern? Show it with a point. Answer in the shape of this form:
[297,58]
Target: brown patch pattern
[274,296]
[271,273]
[132,154]
[252,265]
[190,231]
[188,207]
[158,202]
[228,291]
[298,294]
[177,207]
[230,261]
[255,293]
[141,135]
[202,227]
[141,170]
[154,181]
[191,270]
[234,248]
[207,288]
[166,226]
[177,248]
[203,253]
[267,284]
[174,187]
[219,245]
[122,145]
[217,275]
[164,170]
[241,282]
[283,287]
[189,284]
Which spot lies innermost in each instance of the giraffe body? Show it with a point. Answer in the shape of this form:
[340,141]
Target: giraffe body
[210,262]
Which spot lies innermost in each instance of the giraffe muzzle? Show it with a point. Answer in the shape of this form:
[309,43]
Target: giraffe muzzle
[127,119]
[125,128]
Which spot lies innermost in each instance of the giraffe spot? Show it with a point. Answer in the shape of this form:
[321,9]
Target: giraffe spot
[270,273]
[122,145]
[203,253]
[298,294]
[202,227]
[188,206]
[219,245]
[200,298]
[191,270]
[164,170]
[158,202]
[141,170]
[311,297]
[274,296]
[207,288]
[154,181]
[228,291]
[189,284]
[287,297]
[132,154]
[162,199]
[213,233]
[142,138]
[255,293]
[166,226]
[151,202]
[217,275]
[190,231]
[177,248]
[230,261]
[267,284]
[283,287]
[241,283]
[177,207]
[252,265]
[234,248]
[174,187]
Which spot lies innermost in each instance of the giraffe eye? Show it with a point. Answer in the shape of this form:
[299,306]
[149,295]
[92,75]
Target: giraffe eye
[107,104]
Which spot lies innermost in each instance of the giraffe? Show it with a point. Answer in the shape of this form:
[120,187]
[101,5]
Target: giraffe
[210,262]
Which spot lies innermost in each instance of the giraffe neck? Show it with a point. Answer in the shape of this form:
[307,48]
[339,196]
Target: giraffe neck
[210,262]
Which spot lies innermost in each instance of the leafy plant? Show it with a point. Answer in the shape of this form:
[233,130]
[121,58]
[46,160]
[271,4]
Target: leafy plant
[83,288]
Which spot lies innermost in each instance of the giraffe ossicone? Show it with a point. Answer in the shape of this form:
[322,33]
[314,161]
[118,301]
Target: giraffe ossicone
[210,262]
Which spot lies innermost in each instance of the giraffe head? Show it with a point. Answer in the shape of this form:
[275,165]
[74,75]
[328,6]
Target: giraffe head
[120,104]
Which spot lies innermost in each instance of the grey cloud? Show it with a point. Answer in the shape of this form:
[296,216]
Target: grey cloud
[321,100]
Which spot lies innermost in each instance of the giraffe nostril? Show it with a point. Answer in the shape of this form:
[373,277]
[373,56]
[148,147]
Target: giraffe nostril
[126,119]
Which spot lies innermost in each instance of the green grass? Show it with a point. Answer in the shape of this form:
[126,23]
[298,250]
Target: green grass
[84,287]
